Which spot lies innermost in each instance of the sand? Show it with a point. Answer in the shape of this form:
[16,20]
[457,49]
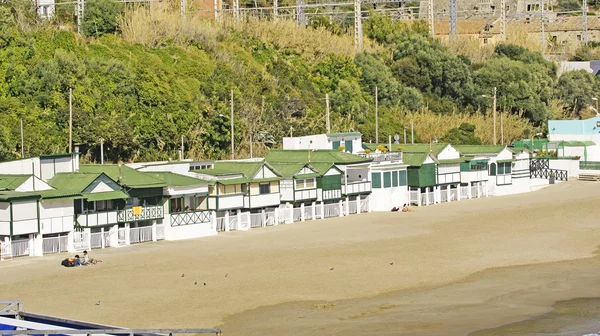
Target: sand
[457,267]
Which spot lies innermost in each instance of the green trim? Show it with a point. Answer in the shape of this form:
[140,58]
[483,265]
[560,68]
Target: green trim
[57,156]
[341,134]
[504,161]
[37,204]
[11,218]
[452,161]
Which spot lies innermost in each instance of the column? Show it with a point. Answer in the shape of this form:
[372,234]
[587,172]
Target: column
[479,190]
[213,221]
[448,193]
[127,236]
[469,192]
[276,216]
[322,209]
[263,218]
[88,238]
[38,245]
[247,220]
[114,236]
[347,205]
[154,230]
[358,205]
[458,192]
[437,196]
[341,207]
[291,213]
[418,196]
[102,241]
[226,221]
[485,189]
[302,214]
[314,210]
[427,196]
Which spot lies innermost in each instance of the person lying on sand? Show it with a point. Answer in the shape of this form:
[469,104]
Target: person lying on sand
[405,208]
[72,262]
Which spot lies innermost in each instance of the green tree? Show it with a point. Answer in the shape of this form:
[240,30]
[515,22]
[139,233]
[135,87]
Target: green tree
[463,135]
[101,17]
[576,89]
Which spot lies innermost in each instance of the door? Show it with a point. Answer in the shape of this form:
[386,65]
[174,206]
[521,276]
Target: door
[348,146]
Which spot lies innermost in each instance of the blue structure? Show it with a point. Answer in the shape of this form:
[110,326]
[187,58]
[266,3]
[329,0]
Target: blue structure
[558,128]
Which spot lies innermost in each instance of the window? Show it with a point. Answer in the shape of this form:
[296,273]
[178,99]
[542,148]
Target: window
[309,183]
[299,184]
[376,180]
[500,168]
[176,205]
[89,206]
[402,177]
[198,201]
[104,205]
[493,169]
[264,188]
[394,179]
[387,179]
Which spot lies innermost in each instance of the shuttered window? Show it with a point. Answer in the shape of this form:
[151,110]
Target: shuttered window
[387,179]
[376,180]
[394,179]
[402,177]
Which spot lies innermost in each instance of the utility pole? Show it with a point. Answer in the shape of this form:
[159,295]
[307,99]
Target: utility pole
[101,151]
[585,23]
[22,141]
[251,145]
[405,135]
[542,32]
[182,149]
[79,8]
[232,138]
[217,9]
[501,130]
[453,18]
[494,112]
[275,10]
[357,25]
[431,17]
[376,115]
[236,6]
[412,132]
[70,120]
[503,19]
[327,113]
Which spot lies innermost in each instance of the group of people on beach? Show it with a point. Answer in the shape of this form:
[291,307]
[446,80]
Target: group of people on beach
[404,208]
[77,261]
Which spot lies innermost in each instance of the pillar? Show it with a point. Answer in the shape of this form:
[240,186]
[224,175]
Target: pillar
[127,236]
[291,213]
[358,204]
[114,236]
[102,241]
[322,205]
[8,246]
[154,231]
[88,238]
[341,207]
[469,192]
[448,188]
[347,205]
[239,219]
[314,210]
[302,214]
[38,245]
[427,196]
[213,221]
[458,192]
[369,206]
[263,218]
[479,190]
[276,216]
[247,227]
[485,189]
[437,195]
[226,221]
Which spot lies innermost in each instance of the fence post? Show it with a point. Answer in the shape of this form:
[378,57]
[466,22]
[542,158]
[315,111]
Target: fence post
[226,221]
[114,236]
[127,234]
[102,242]
[276,216]
[322,205]
[8,246]
[427,196]
[248,224]
[88,238]
[263,218]
[469,190]
[479,190]
[213,221]
[314,210]
[31,245]
[302,215]
[154,231]
[70,238]
[341,206]
[347,205]
[239,219]
[458,192]
[358,205]
[38,241]
[291,213]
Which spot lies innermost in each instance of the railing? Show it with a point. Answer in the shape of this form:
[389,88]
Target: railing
[233,222]
[107,236]
[308,194]
[256,220]
[352,207]
[270,218]
[444,194]
[243,222]
[413,197]
[431,197]
[589,165]
[380,157]
[188,218]
[559,174]
[364,205]
[122,241]
[140,213]
[464,193]
[96,240]
[220,224]
[19,248]
[453,194]
[297,214]
[308,212]
[474,191]
[81,240]
[98,218]
[424,199]
[356,188]
[332,210]
[160,231]
[284,214]
[54,244]
[332,194]
[140,234]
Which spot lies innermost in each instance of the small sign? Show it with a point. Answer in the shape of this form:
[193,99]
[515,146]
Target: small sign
[597,123]
[136,210]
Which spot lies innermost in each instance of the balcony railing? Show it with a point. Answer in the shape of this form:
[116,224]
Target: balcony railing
[308,194]
[140,213]
[332,194]
[356,188]
[380,157]
[97,218]
[261,201]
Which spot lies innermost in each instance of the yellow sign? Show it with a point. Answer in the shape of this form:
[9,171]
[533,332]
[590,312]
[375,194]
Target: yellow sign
[136,210]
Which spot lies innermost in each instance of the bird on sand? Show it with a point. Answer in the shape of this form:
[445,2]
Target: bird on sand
[195,283]
[98,303]
[331,269]
[205,284]
[182,275]
[392,263]
[226,275]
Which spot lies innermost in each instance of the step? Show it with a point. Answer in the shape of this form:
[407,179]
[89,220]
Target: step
[589,177]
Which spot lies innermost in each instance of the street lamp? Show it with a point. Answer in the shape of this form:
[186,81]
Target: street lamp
[493,111]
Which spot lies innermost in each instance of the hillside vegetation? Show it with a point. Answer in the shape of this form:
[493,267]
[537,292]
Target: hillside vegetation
[142,78]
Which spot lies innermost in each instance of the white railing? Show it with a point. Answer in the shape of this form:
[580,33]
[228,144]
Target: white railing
[96,240]
[444,194]
[19,248]
[256,220]
[481,190]
[356,187]
[308,212]
[140,234]
[431,197]
[332,210]
[364,205]
[160,231]
[423,199]
[81,240]
[473,191]
[107,238]
[307,194]
[318,213]
[54,244]
[453,194]
[243,222]
[270,218]
[4,250]
[464,193]
[297,214]
[284,214]
[233,222]
[352,207]
[121,238]
[220,224]
[413,197]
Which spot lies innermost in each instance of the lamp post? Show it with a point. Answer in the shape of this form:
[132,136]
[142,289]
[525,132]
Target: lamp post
[493,111]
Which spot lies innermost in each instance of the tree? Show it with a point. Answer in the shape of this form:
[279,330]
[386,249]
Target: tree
[576,89]
[463,135]
[101,17]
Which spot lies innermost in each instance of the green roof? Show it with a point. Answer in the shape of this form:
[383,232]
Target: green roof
[453,161]
[323,167]
[130,177]
[12,182]
[59,193]
[288,169]
[435,148]
[73,181]
[176,180]
[479,149]
[316,156]
[107,195]
[504,161]
[14,195]
[579,143]
[340,134]
[248,169]
[414,159]
[239,180]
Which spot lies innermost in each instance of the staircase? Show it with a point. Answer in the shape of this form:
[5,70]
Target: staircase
[540,168]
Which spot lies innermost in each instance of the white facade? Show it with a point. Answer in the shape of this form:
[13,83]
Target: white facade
[43,168]
[393,195]
[352,141]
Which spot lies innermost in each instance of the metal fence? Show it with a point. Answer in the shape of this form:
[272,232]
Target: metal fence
[332,210]
[352,206]
[474,191]
[464,193]
[297,214]
[364,205]
[284,214]
[308,212]
[81,240]
[589,165]
[96,240]
[453,194]
[233,222]
[270,218]
[122,241]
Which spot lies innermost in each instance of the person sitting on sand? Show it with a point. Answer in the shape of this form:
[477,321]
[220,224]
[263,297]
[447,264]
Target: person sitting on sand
[405,208]
[72,262]
[89,260]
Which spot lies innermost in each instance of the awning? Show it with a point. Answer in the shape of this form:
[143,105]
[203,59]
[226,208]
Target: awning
[505,161]
[451,161]
[266,179]
[107,195]
[305,176]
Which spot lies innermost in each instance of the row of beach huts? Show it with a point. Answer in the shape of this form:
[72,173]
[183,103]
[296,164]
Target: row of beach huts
[52,203]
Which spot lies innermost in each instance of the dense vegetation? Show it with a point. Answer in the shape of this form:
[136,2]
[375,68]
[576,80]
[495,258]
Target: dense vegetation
[142,81]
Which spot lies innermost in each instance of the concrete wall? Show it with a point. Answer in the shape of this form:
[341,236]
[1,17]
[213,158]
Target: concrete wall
[572,166]
[319,141]
[384,199]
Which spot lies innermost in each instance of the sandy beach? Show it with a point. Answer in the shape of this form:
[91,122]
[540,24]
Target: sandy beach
[457,268]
